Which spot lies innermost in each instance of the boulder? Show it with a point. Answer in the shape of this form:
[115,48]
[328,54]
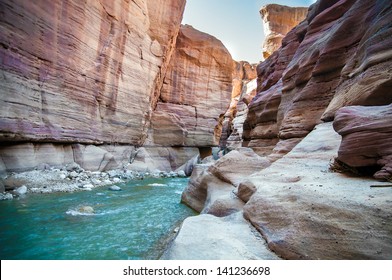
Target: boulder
[245,190]
[21,190]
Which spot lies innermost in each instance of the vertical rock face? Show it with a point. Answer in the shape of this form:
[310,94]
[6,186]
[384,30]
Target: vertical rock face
[278,21]
[243,90]
[323,64]
[83,71]
[195,93]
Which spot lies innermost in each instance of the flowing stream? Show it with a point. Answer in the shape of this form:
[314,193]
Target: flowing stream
[133,223]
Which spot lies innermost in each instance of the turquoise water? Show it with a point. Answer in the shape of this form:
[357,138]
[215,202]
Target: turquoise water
[130,224]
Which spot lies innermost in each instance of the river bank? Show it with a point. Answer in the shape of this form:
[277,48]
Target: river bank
[71,178]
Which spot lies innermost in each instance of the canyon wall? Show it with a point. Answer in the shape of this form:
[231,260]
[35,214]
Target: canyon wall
[319,69]
[195,92]
[83,71]
[322,109]
[278,20]
[102,79]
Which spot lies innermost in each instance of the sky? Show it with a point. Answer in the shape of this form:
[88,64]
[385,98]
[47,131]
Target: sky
[237,23]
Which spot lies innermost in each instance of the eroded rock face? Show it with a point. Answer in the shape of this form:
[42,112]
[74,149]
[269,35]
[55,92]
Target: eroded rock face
[83,72]
[243,90]
[195,93]
[366,137]
[323,64]
[278,21]
[305,211]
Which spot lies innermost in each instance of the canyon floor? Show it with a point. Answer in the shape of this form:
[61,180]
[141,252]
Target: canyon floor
[303,210]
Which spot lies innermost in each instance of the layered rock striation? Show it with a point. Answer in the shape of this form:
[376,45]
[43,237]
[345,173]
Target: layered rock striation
[103,79]
[195,92]
[83,72]
[366,139]
[319,69]
[296,200]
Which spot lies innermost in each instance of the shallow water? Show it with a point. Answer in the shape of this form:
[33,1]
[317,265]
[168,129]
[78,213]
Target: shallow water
[130,224]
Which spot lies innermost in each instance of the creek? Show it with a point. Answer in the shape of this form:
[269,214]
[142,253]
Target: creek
[134,223]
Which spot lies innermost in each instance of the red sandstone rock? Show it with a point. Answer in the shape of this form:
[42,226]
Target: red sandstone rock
[278,21]
[196,92]
[81,71]
[323,64]
[366,137]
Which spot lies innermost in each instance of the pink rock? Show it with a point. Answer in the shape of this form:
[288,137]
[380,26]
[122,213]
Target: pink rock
[366,137]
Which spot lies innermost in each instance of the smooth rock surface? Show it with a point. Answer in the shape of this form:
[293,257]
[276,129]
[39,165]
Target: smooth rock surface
[114,188]
[366,138]
[305,211]
[21,190]
[228,238]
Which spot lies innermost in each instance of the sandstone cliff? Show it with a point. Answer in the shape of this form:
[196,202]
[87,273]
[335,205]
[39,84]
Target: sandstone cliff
[91,82]
[243,90]
[320,69]
[83,71]
[195,92]
[278,21]
[302,207]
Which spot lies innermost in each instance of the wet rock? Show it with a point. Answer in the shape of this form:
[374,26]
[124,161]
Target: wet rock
[115,188]
[86,209]
[21,190]
[88,186]
[6,196]
[14,182]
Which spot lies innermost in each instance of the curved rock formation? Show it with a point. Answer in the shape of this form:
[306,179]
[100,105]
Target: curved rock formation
[302,208]
[318,69]
[278,21]
[367,137]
